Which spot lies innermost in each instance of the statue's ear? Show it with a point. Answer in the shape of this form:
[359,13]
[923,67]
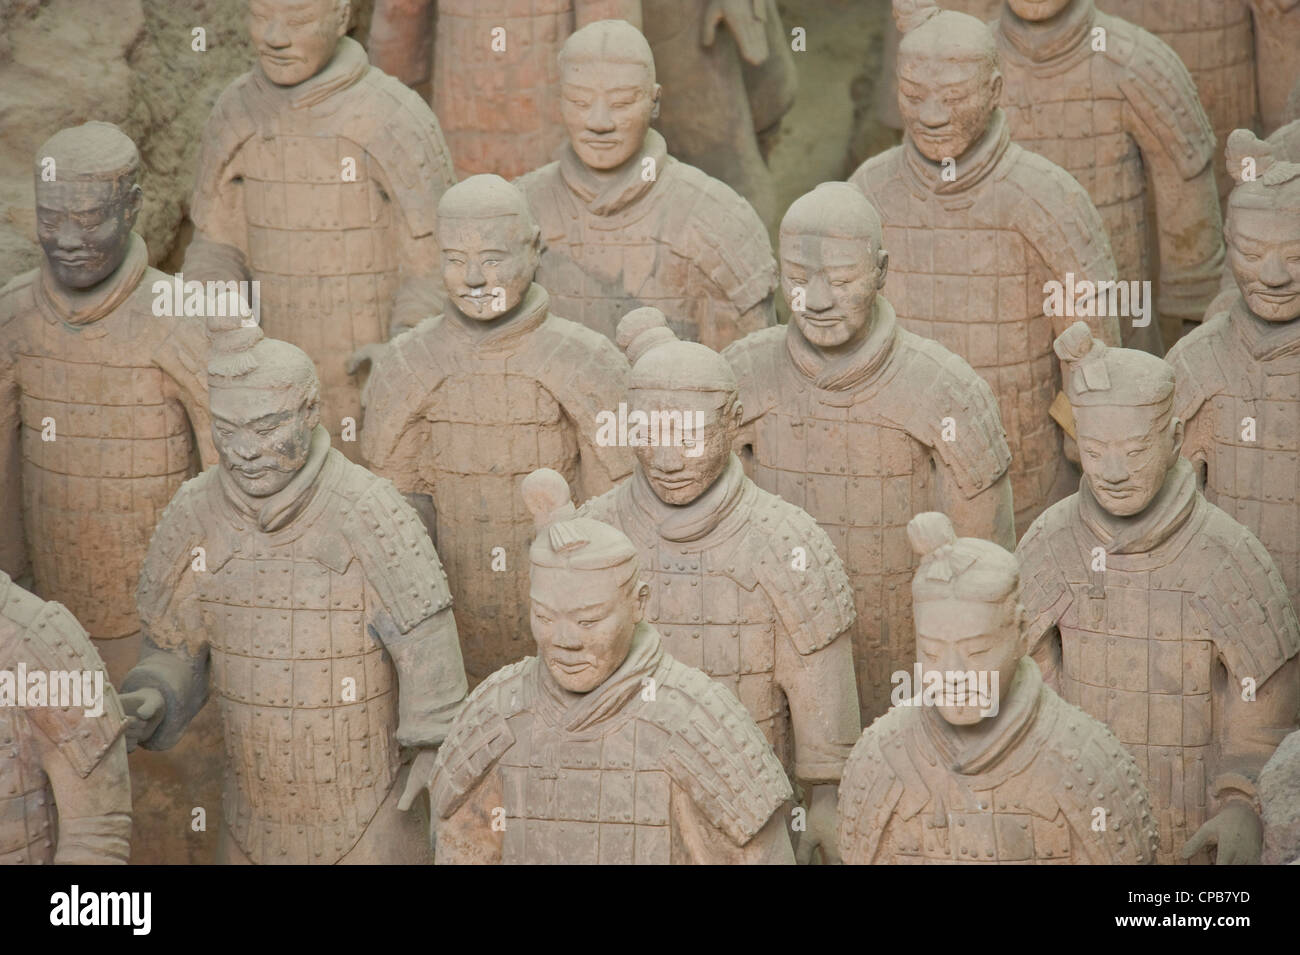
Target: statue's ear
[655,95]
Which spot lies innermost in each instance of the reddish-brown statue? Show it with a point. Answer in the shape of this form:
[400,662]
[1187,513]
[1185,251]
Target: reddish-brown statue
[65,794]
[1238,374]
[305,594]
[863,424]
[103,398]
[977,228]
[744,585]
[1116,107]
[462,408]
[1157,613]
[624,224]
[1277,38]
[319,178]
[602,748]
[979,761]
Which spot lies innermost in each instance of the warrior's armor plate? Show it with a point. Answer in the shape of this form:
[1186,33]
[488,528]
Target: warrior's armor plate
[682,242]
[110,413]
[1033,799]
[862,462]
[301,625]
[45,637]
[1140,643]
[967,264]
[329,190]
[465,418]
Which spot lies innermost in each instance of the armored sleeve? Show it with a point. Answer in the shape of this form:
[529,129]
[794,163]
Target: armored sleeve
[409,607]
[1198,376]
[755,359]
[703,844]
[395,398]
[1044,590]
[869,792]
[219,249]
[13,543]
[183,359]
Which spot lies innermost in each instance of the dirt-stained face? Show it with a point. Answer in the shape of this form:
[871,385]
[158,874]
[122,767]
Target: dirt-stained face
[946,103]
[85,228]
[263,435]
[1037,9]
[294,39]
[583,622]
[690,440]
[830,284]
[1126,452]
[607,108]
[977,647]
[487,264]
[1264,255]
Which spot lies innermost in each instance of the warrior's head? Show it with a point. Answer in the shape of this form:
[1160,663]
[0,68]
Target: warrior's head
[608,92]
[1123,403]
[1262,228]
[832,265]
[295,39]
[584,587]
[949,83]
[490,246]
[87,201]
[265,403]
[693,389]
[1038,11]
[968,616]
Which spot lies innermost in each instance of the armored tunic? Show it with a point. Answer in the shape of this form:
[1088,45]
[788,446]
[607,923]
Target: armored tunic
[327,194]
[747,588]
[1025,791]
[103,408]
[65,794]
[1136,645]
[323,622]
[658,765]
[968,261]
[860,446]
[463,411]
[663,234]
[1114,118]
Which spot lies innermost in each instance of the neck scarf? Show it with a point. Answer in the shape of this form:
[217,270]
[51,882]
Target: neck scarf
[698,519]
[274,512]
[83,306]
[972,750]
[576,712]
[606,193]
[1144,532]
[1054,41]
[851,371]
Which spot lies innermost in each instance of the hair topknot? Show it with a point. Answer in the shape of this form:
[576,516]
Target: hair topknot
[231,343]
[546,494]
[1076,343]
[641,330]
[910,14]
[929,531]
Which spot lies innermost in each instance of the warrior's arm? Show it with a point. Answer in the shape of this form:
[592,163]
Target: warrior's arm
[823,697]
[705,844]
[179,677]
[219,248]
[13,545]
[401,40]
[1190,238]
[989,514]
[94,811]
[430,675]
[468,836]
[1046,651]
[1250,730]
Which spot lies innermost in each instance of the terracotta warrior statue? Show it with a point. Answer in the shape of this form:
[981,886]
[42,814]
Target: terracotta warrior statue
[744,585]
[1157,613]
[319,178]
[602,748]
[1116,107]
[103,399]
[1238,375]
[624,224]
[305,592]
[976,228]
[462,408]
[65,794]
[863,424]
[1277,38]
[981,762]
[1279,797]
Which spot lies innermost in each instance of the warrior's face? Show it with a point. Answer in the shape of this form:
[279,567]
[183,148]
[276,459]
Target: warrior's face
[945,102]
[687,454]
[830,284]
[1036,10]
[263,435]
[1264,255]
[583,621]
[1126,452]
[294,39]
[969,641]
[85,227]
[488,263]
[607,107]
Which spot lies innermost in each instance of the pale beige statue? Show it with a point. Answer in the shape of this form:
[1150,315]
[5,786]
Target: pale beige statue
[603,748]
[862,424]
[462,408]
[303,593]
[980,762]
[976,228]
[624,224]
[1157,613]
[319,177]
[1279,796]
[744,585]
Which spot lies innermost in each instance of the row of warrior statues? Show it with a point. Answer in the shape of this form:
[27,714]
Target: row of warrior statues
[939,571]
